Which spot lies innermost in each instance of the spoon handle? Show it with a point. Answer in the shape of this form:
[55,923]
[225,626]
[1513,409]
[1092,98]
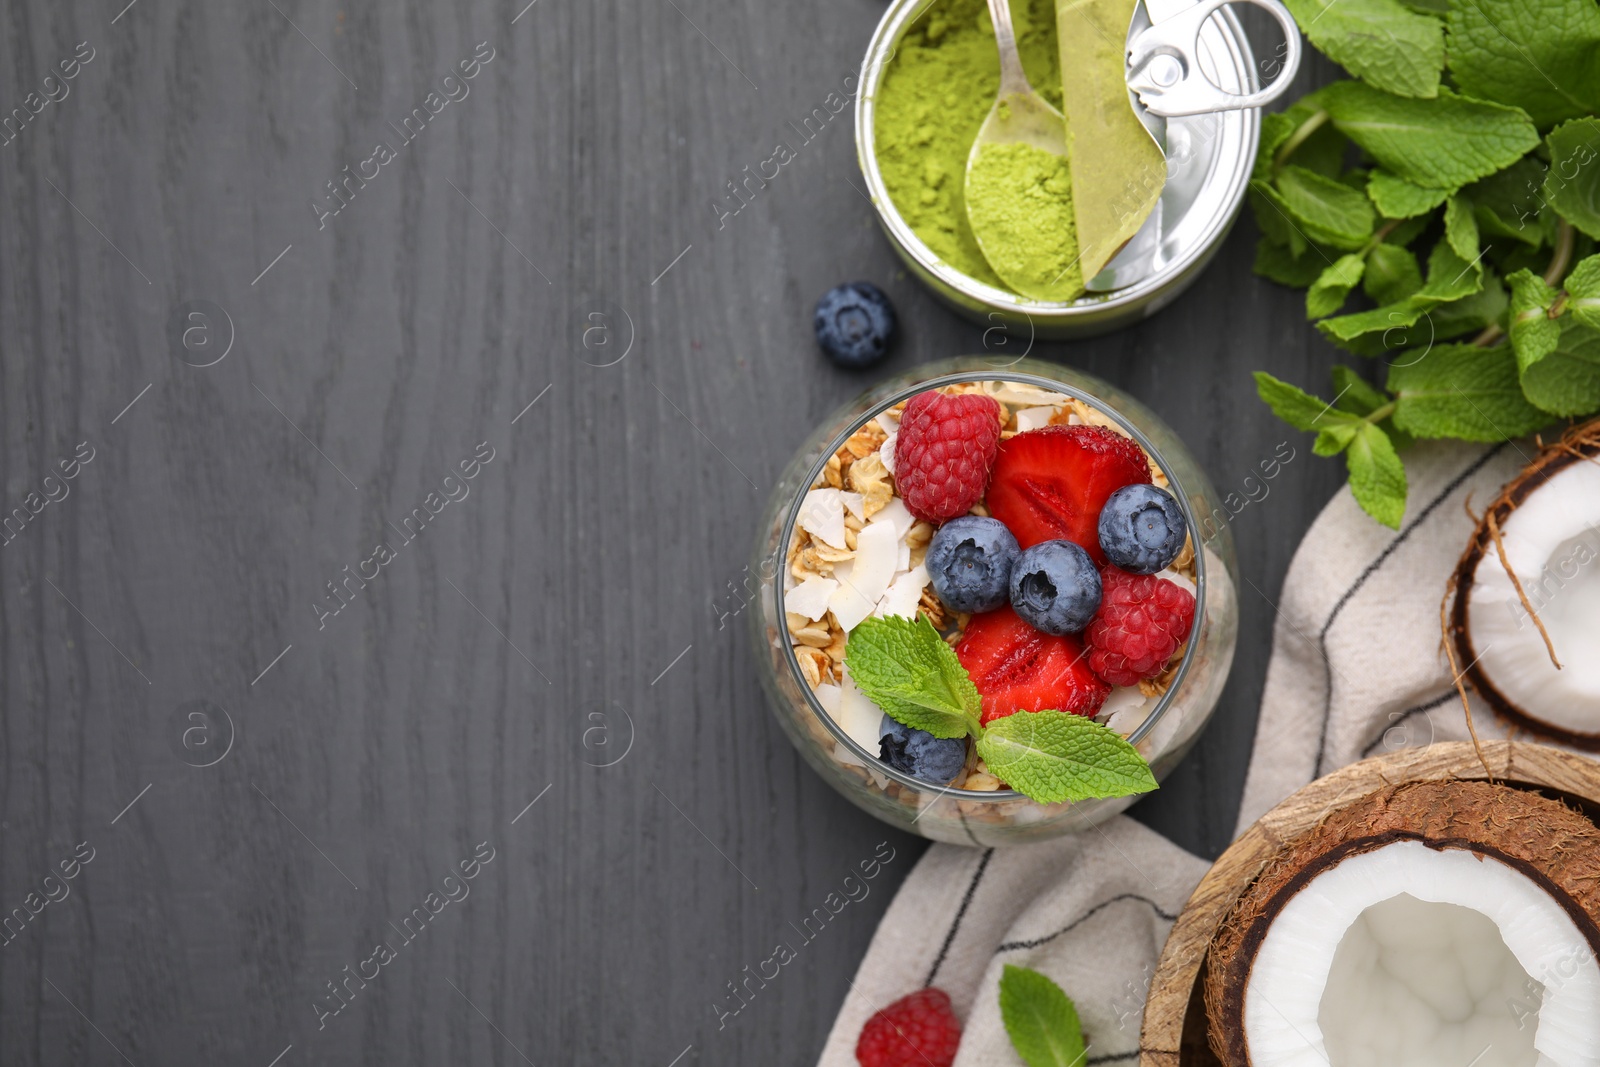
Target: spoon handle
[1012,78]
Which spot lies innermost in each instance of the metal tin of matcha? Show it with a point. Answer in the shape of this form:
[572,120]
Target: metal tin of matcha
[1209,160]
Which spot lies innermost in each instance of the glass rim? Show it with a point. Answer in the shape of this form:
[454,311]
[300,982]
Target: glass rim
[786,538]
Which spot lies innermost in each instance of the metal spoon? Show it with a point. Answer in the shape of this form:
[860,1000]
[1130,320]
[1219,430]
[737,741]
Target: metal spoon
[1019,116]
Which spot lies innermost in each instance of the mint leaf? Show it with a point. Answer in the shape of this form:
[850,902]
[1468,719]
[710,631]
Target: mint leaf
[1461,228]
[1328,211]
[1376,40]
[1583,292]
[1390,328]
[1471,313]
[1275,262]
[1358,397]
[1053,756]
[1392,274]
[1536,54]
[1397,198]
[1410,322]
[1442,143]
[1450,276]
[1377,477]
[1335,439]
[1275,130]
[1572,184]
[1534,334]
[1273,216]
[1566,380]
[1327,294]
[906,669]
[1322,149]
[1408,230]
[1463,391]
[1296,406]
[1040,1019]
[1507,202]
[1355,394]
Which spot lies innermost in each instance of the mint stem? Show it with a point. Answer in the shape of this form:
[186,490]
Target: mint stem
[1383,231]
[1383,412]
[1297,138]
[1560,259]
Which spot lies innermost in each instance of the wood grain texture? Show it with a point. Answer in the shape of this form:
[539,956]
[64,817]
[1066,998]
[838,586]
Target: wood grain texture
[591,570]
[1173,1034]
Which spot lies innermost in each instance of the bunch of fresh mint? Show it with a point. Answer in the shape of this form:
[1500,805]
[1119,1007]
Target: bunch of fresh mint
[1469,221]
[913,675]
[1040,1019]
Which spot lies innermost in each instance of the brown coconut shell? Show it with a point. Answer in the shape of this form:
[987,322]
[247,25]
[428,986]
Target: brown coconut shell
[1581,444]
[1557,847]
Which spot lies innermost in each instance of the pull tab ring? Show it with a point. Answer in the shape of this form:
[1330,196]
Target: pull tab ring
[1163,69]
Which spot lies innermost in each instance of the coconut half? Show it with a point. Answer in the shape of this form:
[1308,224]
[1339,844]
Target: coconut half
[1532,600]
[1431,924]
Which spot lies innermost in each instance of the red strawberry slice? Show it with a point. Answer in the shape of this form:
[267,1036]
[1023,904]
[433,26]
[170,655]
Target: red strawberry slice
[1051,483]
[1017,668]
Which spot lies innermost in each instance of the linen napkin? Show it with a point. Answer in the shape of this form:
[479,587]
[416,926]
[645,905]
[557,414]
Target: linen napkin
[1356,669]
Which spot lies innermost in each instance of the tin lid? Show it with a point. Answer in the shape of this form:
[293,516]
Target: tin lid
[1169,80]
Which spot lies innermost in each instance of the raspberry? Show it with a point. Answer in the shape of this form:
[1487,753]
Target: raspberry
[1141,622]
[915,1031]
[944,453]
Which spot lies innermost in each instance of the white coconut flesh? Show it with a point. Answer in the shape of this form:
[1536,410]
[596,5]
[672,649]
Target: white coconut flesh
[1407,956]
[1552,542]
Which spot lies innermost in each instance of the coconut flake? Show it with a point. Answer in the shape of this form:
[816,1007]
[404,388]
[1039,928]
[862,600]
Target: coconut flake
[1031,395]
[855,502]
[886,452]
[1124,709]
[858,716]
[828,697]
[868,578]
[822,516]
[896,512]
[904,594]
[890,421]
[1034,418]
[810,597]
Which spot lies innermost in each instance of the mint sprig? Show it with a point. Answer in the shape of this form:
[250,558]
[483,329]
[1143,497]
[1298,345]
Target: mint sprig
[1056,755]
[1466,235]
[908,670]
[1040,1019]
[905,668]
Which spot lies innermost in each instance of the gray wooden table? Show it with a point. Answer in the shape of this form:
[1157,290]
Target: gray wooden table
[274,745]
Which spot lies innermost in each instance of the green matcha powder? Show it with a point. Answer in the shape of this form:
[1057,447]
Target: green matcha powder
[932,100]
[1021,202]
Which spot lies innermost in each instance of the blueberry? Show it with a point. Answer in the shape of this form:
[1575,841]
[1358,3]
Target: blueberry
[855,324]
[969,561]
[1055,587]
[920,754]
[1142,529]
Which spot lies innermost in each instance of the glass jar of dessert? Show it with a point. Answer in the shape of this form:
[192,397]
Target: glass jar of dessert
[994,605]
